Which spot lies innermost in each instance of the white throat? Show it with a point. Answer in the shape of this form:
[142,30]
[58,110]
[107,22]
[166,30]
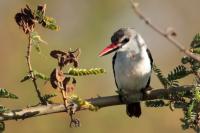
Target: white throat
[136,45]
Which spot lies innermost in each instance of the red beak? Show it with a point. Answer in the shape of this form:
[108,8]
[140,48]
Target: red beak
[109,49]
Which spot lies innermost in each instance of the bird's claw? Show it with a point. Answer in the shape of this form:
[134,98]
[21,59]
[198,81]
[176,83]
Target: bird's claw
[146,91]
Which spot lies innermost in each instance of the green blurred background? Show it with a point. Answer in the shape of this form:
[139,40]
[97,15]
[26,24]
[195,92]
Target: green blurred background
[89,24]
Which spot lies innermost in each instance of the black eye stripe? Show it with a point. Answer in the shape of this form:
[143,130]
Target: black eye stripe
[125,40]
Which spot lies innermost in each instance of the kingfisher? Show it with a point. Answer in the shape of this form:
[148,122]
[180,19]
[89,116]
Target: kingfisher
[132,66]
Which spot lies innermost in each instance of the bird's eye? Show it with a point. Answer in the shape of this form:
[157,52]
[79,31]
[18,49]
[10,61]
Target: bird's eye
[125,40]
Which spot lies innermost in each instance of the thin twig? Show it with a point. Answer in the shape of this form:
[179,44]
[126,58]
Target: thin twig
[167,34]
[63,92]
[99,102]
[65,100]
[28,59]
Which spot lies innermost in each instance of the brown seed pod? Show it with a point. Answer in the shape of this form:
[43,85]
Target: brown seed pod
[66,82]
[59,75]
[57,53]
[70,88]
[42,8]
[74,81]
[76,64]
[25,19]
[53,80]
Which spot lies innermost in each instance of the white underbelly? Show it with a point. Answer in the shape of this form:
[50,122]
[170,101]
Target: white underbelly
[132,74]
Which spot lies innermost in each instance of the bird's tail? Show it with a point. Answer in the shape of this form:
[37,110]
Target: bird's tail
[133,109]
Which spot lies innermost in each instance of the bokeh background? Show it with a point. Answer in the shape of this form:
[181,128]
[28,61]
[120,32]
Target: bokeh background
[89,24]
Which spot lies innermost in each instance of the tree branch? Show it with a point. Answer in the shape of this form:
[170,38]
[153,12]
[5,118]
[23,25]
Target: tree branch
[168,34]
[28,59]
[99,102]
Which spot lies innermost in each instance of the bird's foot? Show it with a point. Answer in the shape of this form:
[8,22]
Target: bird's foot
[122,97]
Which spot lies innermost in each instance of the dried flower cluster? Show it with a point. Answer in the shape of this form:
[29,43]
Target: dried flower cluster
[62,82]
[58,79]
[27,18]
[66,58]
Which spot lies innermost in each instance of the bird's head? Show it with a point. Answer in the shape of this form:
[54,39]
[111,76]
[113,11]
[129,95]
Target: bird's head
[122,40]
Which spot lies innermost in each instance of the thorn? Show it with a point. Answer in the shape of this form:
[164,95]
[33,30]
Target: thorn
[170,31]
[135,4]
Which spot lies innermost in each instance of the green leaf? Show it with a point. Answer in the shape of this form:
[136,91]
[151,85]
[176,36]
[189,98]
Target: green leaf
[47,22]
[185,123]
[40,75]
[190,109]
[36,39]
[187,59]
[195,50]
[82,103]
[27,77]
[5,94]
[46,97]
[195,65]
[50,23]
[39,15]
[3,109]
[196,41]
[160,76]
[155,103]
[178,73]
[196,93]
[191,117]
[2,126]
[37,48]
[84,72]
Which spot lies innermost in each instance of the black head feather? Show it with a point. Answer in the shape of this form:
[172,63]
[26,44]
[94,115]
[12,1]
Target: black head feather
[118,35]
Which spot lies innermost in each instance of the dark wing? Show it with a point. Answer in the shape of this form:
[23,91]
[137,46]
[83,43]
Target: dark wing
[151,61]
[113,64]
[150,57]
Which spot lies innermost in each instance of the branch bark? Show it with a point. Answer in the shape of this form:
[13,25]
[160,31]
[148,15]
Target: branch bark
[99,102]
[28,59]
[168,34]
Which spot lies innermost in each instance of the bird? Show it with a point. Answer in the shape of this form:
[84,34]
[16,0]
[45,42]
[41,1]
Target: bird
[132,66]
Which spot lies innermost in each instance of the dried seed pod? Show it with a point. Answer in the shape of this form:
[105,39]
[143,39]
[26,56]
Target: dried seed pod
[57,53]
[59,75]
[65,82]
[76,63]
[66,58]
[28,12]
[76,53]
[42,8]
[25,19]
[18,19]
[70,88]
[74,81]
[53,80]
[62,61]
